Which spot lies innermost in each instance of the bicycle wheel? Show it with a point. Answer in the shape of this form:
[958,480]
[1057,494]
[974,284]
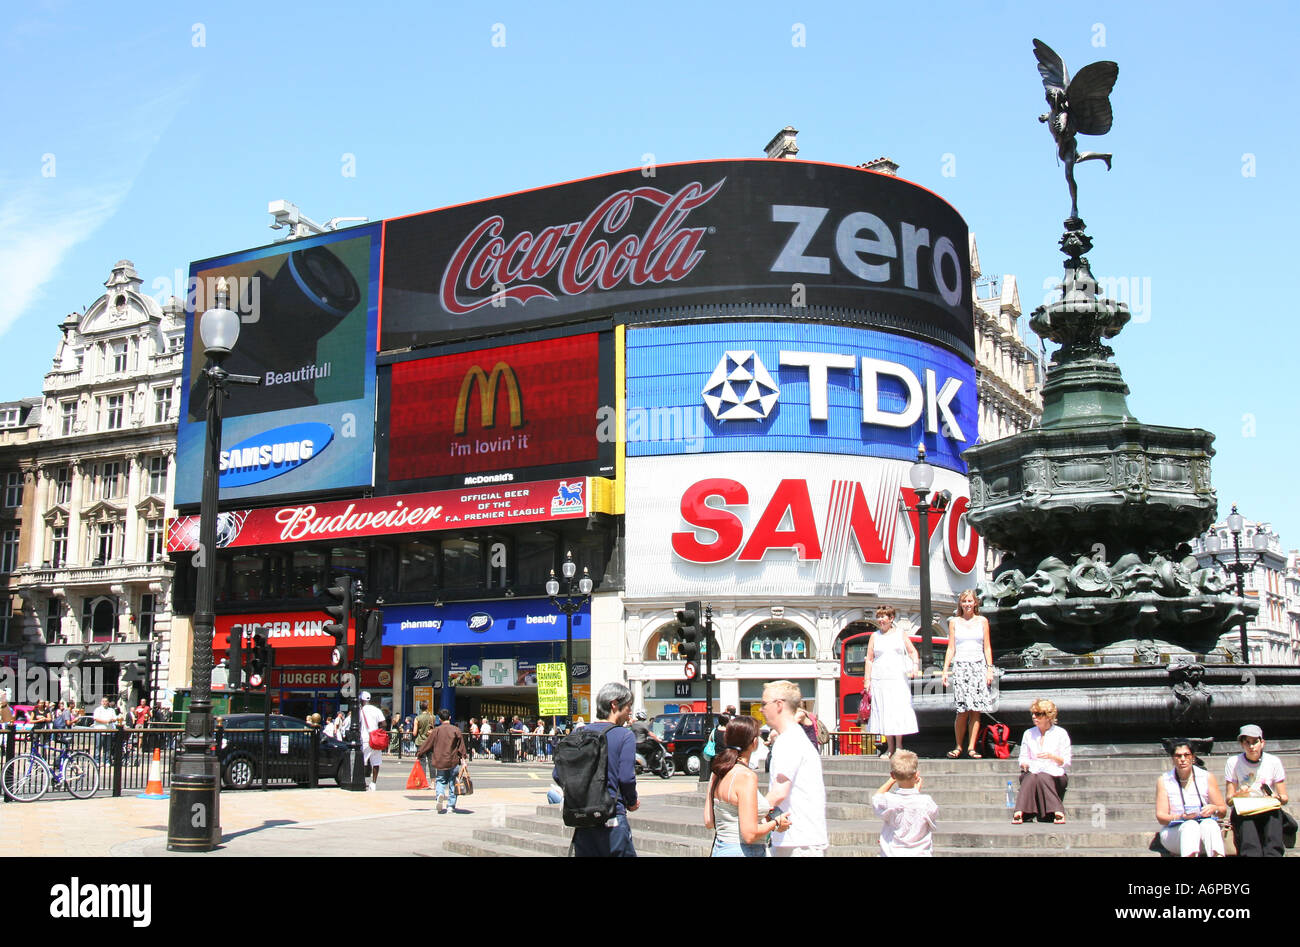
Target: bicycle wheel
[81,775]
[25,779]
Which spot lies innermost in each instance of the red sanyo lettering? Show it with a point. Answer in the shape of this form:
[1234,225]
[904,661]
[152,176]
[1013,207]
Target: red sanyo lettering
[791,501]
[667,252]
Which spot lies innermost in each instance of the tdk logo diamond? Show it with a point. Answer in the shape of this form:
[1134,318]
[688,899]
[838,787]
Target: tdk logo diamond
[740,389]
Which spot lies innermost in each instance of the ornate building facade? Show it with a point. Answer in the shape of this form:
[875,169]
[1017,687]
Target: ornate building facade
[1273,636]
[91,566]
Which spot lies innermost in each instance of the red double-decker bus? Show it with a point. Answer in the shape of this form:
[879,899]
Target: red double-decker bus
[853,666]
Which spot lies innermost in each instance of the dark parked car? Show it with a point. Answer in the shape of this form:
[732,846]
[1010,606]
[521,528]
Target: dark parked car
[685,736]
[240,753]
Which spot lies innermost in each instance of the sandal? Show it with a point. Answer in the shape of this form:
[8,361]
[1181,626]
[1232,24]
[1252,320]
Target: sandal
[1017,818]
[954,754]
[1058,818]
[973,755]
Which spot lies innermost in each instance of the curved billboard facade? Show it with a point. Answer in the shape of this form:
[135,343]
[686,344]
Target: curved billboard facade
[676,242]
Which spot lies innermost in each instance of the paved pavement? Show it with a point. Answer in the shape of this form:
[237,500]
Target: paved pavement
[300,822]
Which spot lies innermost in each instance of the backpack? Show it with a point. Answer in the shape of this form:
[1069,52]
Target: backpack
[996,739]
[582,767]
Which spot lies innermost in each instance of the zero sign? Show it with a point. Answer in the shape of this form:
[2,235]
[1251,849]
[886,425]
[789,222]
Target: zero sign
[690,670]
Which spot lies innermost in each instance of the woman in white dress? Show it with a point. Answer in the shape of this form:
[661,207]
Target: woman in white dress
[970,658]
[891,661]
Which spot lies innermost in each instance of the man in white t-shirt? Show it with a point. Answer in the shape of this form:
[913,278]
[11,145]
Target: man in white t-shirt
[1256,774]
[796,786]
[105,719]
[370,718]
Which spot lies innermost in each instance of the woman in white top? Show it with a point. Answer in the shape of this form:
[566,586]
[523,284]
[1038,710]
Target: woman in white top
[891,660]
[1045,758]
[734,807]
[1188,807]
[970,656]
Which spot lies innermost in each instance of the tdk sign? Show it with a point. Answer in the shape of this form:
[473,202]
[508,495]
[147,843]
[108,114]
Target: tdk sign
[797,387]
[272,453]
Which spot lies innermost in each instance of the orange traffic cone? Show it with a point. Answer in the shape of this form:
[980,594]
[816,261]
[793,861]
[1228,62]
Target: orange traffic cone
[154,789]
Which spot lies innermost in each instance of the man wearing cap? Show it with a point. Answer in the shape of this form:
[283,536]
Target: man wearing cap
[1254,774]
[371,718]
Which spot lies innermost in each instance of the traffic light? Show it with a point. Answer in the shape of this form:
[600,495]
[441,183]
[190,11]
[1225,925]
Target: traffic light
[372,649]
[343,589]
[235,660]
[259,660]
[689,632]
[137,671]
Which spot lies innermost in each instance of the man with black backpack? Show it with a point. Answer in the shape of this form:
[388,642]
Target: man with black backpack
[596,768]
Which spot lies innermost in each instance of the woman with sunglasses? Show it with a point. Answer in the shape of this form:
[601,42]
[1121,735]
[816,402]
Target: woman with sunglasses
[1189,806]
[1045,759]
[735,808]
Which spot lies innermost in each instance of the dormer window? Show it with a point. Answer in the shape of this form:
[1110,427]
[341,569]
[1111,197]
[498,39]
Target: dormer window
[118,350]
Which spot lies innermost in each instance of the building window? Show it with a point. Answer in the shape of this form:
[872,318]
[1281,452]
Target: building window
[774,640]
[419,567]
[68,411]
[103,542]
[9,417]
[53,620]
[154,549]
[114,412]
[119,357]
[63,486]
[462,563]
[110,480]
[6,620]
[59,546]
[162,405]
[13,489]
[8,550]
[158,476]
[145,621]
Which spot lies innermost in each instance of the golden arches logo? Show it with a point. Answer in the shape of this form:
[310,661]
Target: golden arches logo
[487,396]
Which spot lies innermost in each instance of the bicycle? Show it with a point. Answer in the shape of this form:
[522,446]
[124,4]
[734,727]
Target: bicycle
[28,777]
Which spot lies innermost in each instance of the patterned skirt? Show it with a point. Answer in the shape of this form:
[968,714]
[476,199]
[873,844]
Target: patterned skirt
[970,688]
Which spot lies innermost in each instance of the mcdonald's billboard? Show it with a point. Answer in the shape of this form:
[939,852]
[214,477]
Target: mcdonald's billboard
[495,416]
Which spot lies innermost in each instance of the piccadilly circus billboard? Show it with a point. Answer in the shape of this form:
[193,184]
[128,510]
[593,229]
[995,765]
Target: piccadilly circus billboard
[781,524]
[308,320]
[796,386]
[504,414]
[683,242]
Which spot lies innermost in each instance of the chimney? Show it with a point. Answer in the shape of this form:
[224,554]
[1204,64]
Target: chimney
[883,165]
[782,144]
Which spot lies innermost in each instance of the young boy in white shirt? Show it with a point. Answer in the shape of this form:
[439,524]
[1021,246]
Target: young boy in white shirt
[908,815]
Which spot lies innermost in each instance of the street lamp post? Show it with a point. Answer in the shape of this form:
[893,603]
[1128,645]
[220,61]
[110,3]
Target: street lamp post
[194,819]
[1238,568]
[569,605]
[922,476]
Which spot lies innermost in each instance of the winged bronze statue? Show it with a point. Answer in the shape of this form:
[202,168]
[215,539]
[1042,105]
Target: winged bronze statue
[1079,106]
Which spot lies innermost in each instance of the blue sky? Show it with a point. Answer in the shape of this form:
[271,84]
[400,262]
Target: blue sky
[158,132]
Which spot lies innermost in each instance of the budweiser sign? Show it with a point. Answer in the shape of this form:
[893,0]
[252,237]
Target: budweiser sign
[387,516]
[577,253]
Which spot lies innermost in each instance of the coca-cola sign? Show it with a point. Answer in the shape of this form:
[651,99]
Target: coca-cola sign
[675,241]
[577,253]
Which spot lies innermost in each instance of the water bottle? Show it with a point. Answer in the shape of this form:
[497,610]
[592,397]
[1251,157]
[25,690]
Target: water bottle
[1011,796]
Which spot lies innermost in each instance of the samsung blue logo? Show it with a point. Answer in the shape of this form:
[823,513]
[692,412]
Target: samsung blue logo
[479,622]
[272,453]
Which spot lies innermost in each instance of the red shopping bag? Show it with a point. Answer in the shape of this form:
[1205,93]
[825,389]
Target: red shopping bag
[417,779]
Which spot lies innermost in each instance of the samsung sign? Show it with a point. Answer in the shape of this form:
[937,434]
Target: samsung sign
[276,452]
[796,387]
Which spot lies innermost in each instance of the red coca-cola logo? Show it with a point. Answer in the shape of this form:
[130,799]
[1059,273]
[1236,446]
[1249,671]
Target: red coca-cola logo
[577,253]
